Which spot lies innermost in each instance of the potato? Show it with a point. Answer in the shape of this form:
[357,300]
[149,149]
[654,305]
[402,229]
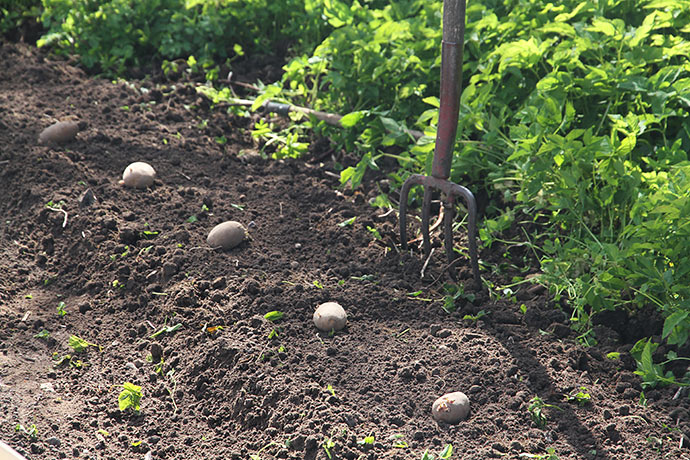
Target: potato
[330,316]
[226,235]
[59,133]
[138,175]
[451,407]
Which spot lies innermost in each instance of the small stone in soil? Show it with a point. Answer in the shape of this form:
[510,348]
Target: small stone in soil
[53,441]
[156,352]
[87,199]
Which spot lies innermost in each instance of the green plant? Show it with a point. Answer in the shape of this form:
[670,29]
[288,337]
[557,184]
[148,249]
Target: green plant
[17,13]
[328,445]
[652,373]
[274,316]
[43,335]
[30,432]
[166,330]
[549,455]
[454,292]
[114,34]
[79,345]
[367,441]
[580,396]
[445,454]
[537,413]
[130,397]
[61,309]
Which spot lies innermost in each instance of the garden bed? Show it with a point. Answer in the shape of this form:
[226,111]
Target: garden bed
[227,383]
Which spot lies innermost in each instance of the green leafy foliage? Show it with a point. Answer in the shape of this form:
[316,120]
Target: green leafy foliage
[16,13]
[114,34]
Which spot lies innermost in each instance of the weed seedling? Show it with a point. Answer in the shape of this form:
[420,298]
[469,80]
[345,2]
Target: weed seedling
[474,318]
[166,329]
[328,444]
[31,432]
[398,441]
[445,454]
[536,411]
[43,335]
[274,316]
[549,455]
[79,345]
[61,309]
[117,284]
[347,222]
[367,441]
[579,396]
[130,397]
[454,292]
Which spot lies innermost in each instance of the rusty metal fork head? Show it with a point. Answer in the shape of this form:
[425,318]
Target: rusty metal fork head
[450,191]
[451,88]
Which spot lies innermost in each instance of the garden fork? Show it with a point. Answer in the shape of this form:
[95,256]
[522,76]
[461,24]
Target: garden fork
[451,87]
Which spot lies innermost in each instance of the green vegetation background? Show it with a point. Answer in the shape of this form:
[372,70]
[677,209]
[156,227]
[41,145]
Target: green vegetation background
[574,117]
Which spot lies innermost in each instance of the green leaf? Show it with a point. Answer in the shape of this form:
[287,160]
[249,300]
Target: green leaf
[347,222]
[129,397]
[274,315]
[447,452]
[78,344]
[351,119]
[672,321]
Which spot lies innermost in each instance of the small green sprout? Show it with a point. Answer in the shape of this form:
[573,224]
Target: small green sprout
[536,410]
[579,396]
[79,345]
[367,441]
[130,397]
[274,316]
[347,222]
[43,335]
[166,329]
[328,444]
[31,432]
[61,309]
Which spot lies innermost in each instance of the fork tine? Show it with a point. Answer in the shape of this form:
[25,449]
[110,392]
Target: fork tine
[426,210]
[449,216]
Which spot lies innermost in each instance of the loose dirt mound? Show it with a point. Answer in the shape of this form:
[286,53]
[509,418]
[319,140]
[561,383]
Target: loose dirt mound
[222,384]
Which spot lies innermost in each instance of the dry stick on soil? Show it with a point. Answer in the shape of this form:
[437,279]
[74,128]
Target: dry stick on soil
[426,262]
[64,222]
[433,227]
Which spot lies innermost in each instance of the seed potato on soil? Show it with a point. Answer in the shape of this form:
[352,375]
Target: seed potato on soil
[451,407]
[226,235]
[330,316]
[59,133]
[138,175]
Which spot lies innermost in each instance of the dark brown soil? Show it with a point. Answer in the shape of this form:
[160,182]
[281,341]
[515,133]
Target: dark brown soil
[132,263]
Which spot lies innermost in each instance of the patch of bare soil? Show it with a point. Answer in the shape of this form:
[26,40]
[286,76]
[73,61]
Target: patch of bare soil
[222,385]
